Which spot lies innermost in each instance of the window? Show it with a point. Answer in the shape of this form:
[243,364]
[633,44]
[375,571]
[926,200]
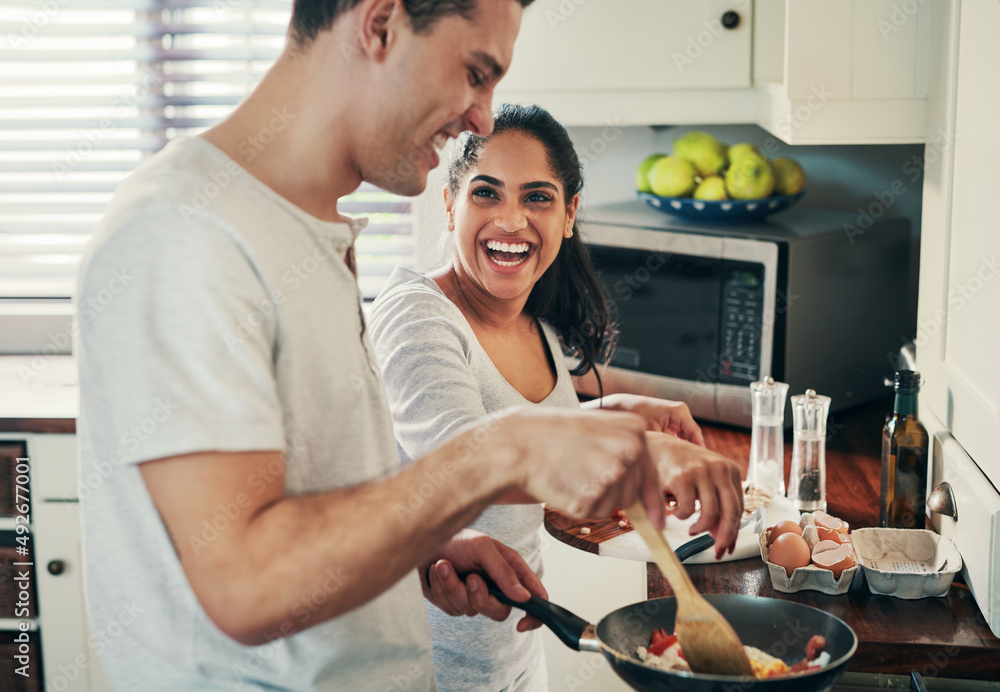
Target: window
[91,88]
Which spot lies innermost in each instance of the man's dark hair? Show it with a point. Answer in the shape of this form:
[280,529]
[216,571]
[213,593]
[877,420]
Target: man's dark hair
[569,295]
[309,17]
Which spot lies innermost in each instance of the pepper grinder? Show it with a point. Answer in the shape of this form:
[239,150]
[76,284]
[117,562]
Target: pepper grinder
[767,444]
[807,485]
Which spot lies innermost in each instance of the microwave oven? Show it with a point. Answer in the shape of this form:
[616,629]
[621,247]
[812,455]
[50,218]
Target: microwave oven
[704,309]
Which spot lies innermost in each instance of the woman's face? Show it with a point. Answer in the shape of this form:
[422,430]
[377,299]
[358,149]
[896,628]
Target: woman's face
[509,217]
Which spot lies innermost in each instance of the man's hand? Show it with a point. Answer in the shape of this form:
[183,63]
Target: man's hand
[661,415]
[471,551]
[692,473]
[584,463]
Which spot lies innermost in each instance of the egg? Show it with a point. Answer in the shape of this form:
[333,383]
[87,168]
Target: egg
[830,522]
[833,556]
[782,527]
[827,534]
[790,551]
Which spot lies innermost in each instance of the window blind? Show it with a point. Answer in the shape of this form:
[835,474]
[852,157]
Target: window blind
[91,88]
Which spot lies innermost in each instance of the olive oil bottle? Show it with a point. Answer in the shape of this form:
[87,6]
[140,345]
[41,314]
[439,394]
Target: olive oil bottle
[904,459]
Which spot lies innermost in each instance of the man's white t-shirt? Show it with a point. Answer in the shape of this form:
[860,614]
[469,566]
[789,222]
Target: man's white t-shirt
[216,315]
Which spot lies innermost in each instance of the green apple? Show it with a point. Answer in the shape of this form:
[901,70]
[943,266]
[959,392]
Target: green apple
[738,151]
[712,188]
[789,178]
[750,177]
[672,177]
[703,151]
[641,173]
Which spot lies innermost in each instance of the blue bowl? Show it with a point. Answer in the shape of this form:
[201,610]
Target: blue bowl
[738,210]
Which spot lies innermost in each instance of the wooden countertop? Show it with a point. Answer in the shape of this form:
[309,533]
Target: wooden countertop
[942,637]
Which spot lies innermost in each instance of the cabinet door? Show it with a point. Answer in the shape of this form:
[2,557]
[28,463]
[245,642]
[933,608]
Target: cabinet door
[62,622]
[577,45]
[590,586]
[959,322]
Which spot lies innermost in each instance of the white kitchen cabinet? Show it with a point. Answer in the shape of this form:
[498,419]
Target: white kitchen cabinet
[590,586]
[62,621]
[69,662]
[851,72]
[809,71]
[70,659]
[634,61]
[958,319]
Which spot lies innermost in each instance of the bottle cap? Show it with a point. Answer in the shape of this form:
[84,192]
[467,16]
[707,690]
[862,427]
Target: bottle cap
[810,412]
[768,399]
[907,380]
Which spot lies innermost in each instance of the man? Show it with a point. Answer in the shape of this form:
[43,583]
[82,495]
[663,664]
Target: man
[252,520]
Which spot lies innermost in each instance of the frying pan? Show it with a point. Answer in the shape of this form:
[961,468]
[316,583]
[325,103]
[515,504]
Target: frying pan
[780,628]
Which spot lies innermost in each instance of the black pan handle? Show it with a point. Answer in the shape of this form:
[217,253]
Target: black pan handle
[695,546]
[564,624]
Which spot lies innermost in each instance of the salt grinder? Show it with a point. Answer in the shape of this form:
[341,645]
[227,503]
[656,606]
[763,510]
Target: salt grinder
[807,489]
[767,445]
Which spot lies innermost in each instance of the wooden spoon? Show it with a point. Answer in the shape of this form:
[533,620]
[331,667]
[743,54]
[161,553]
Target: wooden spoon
[708,641]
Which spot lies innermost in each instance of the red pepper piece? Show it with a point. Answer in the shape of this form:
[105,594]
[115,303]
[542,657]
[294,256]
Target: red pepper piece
[658,646]
[815,646]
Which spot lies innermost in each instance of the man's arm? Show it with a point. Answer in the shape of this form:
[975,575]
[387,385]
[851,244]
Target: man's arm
[353,544]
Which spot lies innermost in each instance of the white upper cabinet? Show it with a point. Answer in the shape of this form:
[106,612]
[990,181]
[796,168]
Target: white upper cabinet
[809,71]
[850,72]
[634,61]
[627,45]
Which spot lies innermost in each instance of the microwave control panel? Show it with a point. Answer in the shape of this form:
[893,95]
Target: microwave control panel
[742,317]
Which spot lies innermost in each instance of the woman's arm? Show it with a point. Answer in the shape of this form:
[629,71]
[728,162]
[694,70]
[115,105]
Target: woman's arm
[661,415]
[425,357]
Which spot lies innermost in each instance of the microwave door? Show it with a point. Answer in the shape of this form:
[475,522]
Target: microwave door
[664,292]
[691,316]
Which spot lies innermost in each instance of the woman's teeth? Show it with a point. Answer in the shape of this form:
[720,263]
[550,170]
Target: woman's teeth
[507,247]
[439,140]
[507,254]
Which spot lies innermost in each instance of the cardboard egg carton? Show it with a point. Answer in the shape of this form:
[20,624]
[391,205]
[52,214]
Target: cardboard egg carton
[811,577]
[907,563]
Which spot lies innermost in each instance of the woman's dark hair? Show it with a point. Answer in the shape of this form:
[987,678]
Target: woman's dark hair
[569,296]
[309,17]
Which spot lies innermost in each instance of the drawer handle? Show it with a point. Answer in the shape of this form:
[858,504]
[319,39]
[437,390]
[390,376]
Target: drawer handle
[730,19]
[942,501]
[56,567]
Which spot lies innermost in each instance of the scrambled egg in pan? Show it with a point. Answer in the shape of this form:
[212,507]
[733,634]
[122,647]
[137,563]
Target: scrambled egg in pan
[763,664]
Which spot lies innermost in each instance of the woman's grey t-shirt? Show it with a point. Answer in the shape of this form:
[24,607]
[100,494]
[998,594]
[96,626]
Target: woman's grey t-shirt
[438,378]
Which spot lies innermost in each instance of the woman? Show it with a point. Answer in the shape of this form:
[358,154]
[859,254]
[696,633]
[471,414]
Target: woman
[488,331]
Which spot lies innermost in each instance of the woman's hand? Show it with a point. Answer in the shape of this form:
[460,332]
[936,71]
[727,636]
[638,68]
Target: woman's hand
[471,551]
[692,473]
[661,415]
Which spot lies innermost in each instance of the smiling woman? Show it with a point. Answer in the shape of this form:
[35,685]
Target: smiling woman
[488,332]
[514,221]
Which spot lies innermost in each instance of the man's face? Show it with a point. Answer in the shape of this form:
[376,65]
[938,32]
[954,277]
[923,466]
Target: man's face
[439,84]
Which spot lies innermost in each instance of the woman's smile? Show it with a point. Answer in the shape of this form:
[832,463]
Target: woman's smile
[507,255]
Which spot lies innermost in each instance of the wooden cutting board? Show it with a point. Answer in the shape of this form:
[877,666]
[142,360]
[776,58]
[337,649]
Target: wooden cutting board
[605,537]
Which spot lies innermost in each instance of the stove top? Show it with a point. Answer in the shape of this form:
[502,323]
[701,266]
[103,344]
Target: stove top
[869,682]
